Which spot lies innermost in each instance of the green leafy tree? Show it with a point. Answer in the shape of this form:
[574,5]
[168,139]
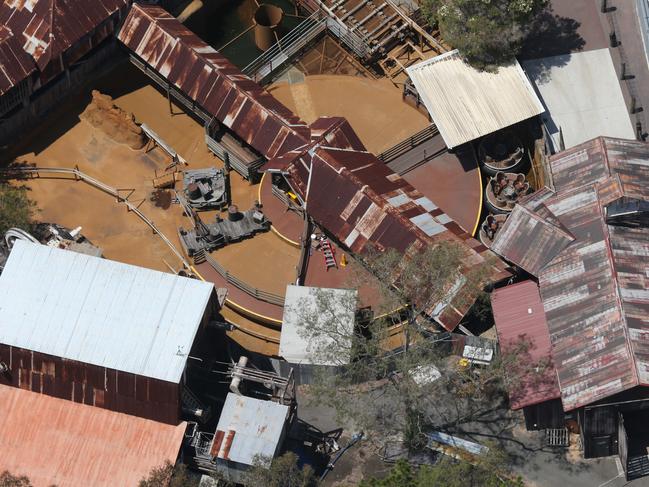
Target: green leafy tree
[488,471]
[168,475]
[16,209]
[386,392]
[488,33]
[403,379]
[282,471]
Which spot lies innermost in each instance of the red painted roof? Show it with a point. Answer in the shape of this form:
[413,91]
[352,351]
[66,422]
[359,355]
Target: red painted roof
[520,319]
[58,442]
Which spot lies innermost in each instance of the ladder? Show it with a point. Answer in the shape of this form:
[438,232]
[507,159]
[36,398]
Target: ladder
[329,257]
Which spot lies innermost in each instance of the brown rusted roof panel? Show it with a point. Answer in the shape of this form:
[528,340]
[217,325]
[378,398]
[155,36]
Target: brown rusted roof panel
[337,133]
[595,291]
[362,202]
[15,64]
[529,241]
[46,28]
[208,78]
[520,319]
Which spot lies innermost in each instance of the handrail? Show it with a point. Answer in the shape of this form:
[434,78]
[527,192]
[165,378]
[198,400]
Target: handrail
[242,285]
[299,37]
[81,176]
[409,144]
[286,46]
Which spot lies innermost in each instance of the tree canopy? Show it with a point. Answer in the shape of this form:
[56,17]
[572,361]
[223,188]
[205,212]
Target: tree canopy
[490,472]
[488,33]
[16,209]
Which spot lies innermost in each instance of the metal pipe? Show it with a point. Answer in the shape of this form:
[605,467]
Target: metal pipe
[330,466]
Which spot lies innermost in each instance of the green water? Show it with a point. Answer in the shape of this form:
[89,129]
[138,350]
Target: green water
[220,21]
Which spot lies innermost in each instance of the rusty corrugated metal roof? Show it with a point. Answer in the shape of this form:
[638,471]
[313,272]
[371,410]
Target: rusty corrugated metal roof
[15,64]
[208,78]
[59,442]
[47,28]
[363,203]
[520,321]
[537,241]
[336,132]
[347,190]
[595,290]
[249,427]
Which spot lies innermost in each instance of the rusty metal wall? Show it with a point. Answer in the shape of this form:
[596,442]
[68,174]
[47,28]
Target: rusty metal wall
[89,384]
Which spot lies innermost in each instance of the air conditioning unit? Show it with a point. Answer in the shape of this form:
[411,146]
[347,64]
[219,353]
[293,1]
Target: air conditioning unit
[3,367]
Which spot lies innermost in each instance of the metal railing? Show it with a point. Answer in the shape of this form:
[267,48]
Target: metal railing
[408,144]
[286,47]
[243,286]
[35,172]
[284,198]
[297,39]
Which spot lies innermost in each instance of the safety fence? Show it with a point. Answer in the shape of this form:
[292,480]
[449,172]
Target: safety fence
[242,285]
[74,174]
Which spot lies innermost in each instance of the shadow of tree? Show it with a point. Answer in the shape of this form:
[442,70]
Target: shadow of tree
[551,35]
[551,38]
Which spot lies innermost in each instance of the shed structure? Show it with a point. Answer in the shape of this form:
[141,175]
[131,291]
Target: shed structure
[247,428]
[466,104]
[307,339]
[99,332]
[46,48]
[56,442]
[587,243]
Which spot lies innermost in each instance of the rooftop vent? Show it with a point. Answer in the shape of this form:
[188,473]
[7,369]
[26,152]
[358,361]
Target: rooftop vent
[628,212]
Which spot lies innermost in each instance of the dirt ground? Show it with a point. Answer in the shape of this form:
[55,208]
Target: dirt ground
[373,107]
[64,140]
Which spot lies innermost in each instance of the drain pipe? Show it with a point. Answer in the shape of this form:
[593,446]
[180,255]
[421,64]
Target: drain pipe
[330,466]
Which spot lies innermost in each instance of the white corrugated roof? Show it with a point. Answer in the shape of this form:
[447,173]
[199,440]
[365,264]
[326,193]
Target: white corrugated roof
[99,311]
[257,425]
[327,311]
[466,103]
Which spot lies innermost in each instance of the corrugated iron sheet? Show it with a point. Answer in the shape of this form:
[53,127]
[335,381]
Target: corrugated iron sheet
[100,312]
[90,384]
[15,64]
[529,240]
[58,442]
[327,163]
[520,319]
[361,201]
[212,81]
[596,290]
[336,132]
[248,427]
[466,103]
[47,28]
